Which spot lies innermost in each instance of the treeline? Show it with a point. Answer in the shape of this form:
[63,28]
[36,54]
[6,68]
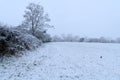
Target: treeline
[71,38]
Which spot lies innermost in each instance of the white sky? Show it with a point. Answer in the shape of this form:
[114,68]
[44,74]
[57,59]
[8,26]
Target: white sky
[92,18]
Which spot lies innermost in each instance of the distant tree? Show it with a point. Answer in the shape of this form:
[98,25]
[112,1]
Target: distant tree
[118,40]
[103,40]
[81,39]
[35,19]
[56,38]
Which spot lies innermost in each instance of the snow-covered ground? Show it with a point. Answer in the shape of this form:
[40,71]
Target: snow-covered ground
[65,61]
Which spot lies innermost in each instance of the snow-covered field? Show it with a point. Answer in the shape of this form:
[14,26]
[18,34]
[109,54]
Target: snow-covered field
[65,61]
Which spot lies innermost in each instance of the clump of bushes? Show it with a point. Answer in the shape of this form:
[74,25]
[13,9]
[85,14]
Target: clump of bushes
[25,36]
[12,41]
[42,35]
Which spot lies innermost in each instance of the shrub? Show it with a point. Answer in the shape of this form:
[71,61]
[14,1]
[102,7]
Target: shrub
[43,36]
[13,41]
[39,34]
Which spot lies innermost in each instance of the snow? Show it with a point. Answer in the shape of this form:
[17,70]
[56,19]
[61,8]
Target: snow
[65,61]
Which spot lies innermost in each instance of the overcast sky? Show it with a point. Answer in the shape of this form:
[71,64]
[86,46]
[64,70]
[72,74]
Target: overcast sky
[91,18]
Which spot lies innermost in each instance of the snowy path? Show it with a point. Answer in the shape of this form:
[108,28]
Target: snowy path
[65,61]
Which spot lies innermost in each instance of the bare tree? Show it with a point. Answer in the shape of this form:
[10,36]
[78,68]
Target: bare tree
[35,19]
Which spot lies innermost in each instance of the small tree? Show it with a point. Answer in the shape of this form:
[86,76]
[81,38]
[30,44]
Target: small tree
[35,19]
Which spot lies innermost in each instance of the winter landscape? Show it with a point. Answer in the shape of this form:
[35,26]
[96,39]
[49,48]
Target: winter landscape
[79,40]
[65,61]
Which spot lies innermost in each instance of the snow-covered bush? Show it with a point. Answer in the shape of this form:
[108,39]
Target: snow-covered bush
[13,41]
[43,36]
[69,38]
[118,40]
[81,39]
[92,40]
[39,34]
[56,39]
